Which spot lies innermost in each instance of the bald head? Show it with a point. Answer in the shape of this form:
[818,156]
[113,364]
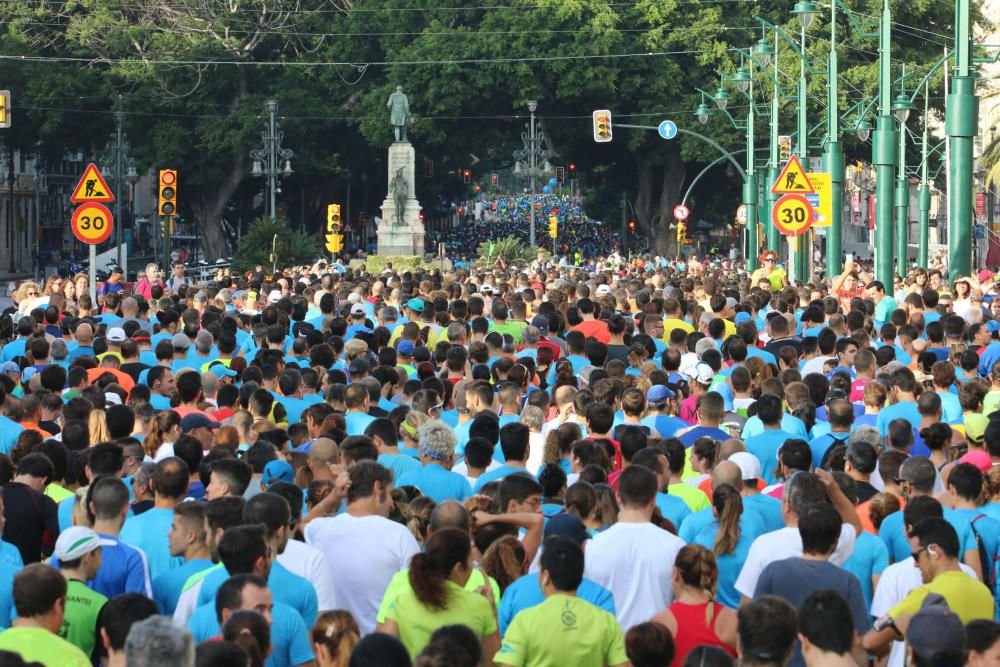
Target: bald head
[730,447]
[727,472]
[565,395]
[449,514]
[324,450]
[84,333]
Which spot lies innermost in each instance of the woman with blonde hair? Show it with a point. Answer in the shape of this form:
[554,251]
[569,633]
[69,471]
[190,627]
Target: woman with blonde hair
[163,432]
[26,294]
[695,618]
[334,637]
[98,427]
[227,436]
[82,284]
[408,429]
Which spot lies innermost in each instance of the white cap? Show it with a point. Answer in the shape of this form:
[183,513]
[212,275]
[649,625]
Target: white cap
[353,297]
[76,542]
[748,463]
[274,296]
[701,372]
[116,335]
[357,309]
[603,290]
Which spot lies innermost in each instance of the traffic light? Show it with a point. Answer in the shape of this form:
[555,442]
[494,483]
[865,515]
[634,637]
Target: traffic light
[784,147]
[168,192]
[4,108]
[467,176]
[572,169]
[334,243]
[495,178]
[332,217]
[681,233]
[561,174]
[631,225]
[602,126]
[429,168]
[553,226]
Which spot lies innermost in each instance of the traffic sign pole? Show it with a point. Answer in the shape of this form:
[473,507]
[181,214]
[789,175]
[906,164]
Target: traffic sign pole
[92,271]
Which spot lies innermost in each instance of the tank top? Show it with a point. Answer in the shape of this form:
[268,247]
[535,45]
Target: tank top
[692,631]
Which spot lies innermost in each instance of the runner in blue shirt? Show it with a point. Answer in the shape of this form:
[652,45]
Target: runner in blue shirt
[514,440]
[765,446]
[149,531]
[437,454]
[187,541]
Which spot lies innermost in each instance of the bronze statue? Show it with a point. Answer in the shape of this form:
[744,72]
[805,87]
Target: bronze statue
[400,190]
[399,113]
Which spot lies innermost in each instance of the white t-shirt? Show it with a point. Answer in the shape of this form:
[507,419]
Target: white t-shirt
[536,451]
[816,365]
[635,561]
[166,450]
[310,564]
[363,553]
[894,584]
[781,544]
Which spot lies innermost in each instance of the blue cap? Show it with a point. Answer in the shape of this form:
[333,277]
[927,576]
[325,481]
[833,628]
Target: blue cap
[10,367]
[566,525]
[219,369]
[742,317]
[28,373]
[278,471]
[405,348]
[659,393]
[416,305]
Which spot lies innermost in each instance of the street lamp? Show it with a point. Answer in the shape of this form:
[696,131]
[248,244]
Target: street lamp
[721,98]
[901,108]
[741,78]
[266,160]
[805,11]
[762,52]
[703,112]
[863,129]
[527,158]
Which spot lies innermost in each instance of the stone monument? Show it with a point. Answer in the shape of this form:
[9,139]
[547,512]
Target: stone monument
[401,231]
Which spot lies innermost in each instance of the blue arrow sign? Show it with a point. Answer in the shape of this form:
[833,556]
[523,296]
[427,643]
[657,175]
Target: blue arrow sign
[667,129]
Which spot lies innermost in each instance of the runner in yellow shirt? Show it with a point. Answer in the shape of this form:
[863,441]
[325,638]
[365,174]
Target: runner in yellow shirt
[563,630]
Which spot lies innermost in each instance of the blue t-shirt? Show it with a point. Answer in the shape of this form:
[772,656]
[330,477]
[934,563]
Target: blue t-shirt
[750,521]
[149,531]
[10,430]
[168,586]
[357,422]
[436,482]
[904,410]
[988,530]
[15,348]
[10,555]
[293,590]
[765,447]
[665,425]
[289,634]
[789,424]
[894,536]
[729,565]
[769,508]
[870,557]
[951,407]
[673,508]
[123,570]
[399,464]
[823,443]
[7,611]
[495,474]
[696,432]
[526,592]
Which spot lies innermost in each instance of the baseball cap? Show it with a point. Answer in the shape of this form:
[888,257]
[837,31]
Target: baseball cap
[935,628]
[195,420]
[701,373]
[975,426]
[10,367]
[274,296]
[416,305]
[541,323]
[357,309]
[566,525]
[405,348]
[28,373]
[731,302]
[603,290]
[116,335]
[75,543]
[180,341]
[741,317]
[353,297]
[659,393]
[978,458]
[112,398]
[358,366]
[278,471]
[219,369]
[748,463]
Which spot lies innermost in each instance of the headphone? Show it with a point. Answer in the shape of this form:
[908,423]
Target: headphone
[932,551]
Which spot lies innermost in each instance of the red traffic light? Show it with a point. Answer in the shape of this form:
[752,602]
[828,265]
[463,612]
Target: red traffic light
[572,167]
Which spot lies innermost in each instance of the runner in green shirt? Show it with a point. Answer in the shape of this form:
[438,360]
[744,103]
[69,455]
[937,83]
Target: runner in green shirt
[436,596]
[78,551]
[563,630]
[40,597]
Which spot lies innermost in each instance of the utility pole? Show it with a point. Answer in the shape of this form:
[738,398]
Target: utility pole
[833,155]
[884,155]
[961,122]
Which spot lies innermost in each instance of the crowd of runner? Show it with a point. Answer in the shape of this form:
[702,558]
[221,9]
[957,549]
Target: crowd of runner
[492,217]
[656,464]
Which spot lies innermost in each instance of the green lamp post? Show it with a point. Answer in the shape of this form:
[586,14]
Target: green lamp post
[764,54]
[961,123]
[884,155]
[833,154]
[805,11]
[901,110]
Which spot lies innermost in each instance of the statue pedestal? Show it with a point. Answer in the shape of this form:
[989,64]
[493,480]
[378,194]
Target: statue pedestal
[406,236]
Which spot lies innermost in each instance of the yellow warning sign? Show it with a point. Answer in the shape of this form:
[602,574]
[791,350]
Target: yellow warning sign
[822,200]
[92,187]
[793,180]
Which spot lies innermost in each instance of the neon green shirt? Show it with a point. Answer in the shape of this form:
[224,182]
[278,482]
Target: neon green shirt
[417,622]
[515,329]
[991,402]
[83,605]
[40,645]
[563,630]
[401,582]
[965,595]
[57,493]
[690,494]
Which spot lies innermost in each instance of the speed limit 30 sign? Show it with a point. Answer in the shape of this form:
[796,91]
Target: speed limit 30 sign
[792,215]
[92,223]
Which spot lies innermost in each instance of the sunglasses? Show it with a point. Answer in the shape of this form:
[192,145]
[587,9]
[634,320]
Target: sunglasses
[916,554]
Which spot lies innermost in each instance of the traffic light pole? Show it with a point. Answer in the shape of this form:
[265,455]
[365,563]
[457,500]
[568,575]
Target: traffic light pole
[884,156]
[961,120]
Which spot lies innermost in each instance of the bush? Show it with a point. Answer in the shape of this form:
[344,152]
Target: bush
[292,247]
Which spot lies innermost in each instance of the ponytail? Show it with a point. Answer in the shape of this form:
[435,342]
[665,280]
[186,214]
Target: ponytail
[728,505]
[338,632]
[504,561]
[430,570]
[250,631]
[697,568]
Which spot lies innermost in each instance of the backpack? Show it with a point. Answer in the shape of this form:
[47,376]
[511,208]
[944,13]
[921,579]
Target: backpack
[989,564]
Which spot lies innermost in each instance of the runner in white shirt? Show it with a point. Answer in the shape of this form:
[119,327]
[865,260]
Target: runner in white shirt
[363,548]
[800,491]
[634,559]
